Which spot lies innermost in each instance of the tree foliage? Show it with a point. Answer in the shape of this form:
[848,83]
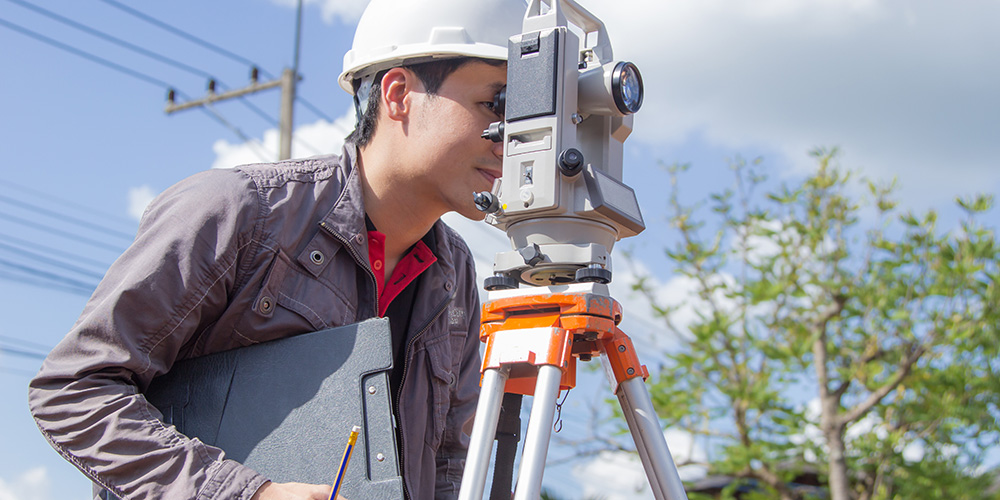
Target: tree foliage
[834,333]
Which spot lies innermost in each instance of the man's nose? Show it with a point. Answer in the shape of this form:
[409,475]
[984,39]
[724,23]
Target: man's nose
[498,150]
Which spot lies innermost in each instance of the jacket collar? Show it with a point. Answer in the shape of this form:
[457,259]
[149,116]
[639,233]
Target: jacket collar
[347,217]
[347,220]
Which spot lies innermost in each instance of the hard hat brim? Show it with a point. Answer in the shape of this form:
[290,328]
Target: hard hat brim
[403,58]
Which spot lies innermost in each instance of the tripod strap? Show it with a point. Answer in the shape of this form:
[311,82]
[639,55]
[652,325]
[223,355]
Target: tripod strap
[508,435]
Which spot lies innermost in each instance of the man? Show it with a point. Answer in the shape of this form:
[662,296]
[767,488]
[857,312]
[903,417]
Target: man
[229,258]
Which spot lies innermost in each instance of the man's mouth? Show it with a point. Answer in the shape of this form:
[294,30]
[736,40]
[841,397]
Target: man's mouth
[491,175]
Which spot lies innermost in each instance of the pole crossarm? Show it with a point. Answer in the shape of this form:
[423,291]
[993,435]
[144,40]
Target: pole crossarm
[286,83]
[212,97]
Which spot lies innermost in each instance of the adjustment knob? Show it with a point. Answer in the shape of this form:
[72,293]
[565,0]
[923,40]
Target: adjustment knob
[499,282]
[494,132]
[532,255]
[593,275]
[486,202]
[570,162]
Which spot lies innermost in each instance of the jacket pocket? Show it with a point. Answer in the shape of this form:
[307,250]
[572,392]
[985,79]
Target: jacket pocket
[442,383]
[458,329]
[291,302]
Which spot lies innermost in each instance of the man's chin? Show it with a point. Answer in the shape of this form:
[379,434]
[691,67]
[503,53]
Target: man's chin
[475,215]
[471,213]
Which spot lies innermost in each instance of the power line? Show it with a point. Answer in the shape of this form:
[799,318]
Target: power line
[45,259]
[86,55]
[263,114]
[213,47]
[47,275]
[212,96]
[115,40]
[253,143]
[61,201]
[26,343]
[117,67]
[42,284]
[142,76]
[313,108]
[140,50]
[19,352]
[30,244]
[63,217]
[94,243]
[208,45]
[156,22]
[271,120]
[260,112]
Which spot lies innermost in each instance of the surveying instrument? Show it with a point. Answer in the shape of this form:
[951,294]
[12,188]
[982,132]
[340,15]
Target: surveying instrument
[566,112]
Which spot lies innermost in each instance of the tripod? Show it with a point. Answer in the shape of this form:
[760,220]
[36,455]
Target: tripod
[533,338]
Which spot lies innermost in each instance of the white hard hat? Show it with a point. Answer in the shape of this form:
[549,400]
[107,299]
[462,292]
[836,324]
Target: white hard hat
[393,31]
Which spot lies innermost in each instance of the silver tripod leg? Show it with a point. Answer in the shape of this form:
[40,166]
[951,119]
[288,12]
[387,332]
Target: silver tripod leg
[536,439]
[484,428]
[648,436]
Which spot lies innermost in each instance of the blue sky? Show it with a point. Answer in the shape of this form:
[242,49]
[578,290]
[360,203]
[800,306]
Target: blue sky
[905,88]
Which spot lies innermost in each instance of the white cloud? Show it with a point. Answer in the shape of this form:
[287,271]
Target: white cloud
[32,484]
[907,88]
[138,199]
[679,292]
[321,137]
[347,11]
[624,472]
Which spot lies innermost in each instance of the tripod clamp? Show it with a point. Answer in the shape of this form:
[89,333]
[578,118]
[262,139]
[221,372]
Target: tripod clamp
[555,328]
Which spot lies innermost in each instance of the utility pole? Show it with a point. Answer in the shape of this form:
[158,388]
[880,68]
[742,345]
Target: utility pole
[286,83]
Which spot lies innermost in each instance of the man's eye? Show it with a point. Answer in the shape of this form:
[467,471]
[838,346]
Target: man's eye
[490,105]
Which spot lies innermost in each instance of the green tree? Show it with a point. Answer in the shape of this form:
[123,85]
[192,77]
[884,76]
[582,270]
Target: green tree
[865,350]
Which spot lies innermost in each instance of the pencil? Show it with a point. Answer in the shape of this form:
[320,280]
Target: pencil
[351,439]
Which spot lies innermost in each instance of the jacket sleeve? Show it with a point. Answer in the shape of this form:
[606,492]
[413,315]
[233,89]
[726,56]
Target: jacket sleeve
[165,290]
[465,396]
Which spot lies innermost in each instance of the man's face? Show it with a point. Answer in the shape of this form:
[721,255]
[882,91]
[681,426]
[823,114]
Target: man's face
[450,157]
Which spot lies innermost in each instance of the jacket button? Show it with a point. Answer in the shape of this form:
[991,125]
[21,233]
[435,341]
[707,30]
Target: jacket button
[317,257]
[447,286]
[266,305]
[359,238]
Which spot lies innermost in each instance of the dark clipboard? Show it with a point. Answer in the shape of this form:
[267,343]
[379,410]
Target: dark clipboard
[285,408]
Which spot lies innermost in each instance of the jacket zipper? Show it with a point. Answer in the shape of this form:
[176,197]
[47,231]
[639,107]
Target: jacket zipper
[406,363]
[371,275]
[364,263]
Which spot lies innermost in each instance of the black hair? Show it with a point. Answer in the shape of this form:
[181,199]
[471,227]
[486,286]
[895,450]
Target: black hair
[432,74]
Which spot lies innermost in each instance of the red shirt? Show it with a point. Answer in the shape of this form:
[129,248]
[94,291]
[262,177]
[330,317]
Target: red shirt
[416,261]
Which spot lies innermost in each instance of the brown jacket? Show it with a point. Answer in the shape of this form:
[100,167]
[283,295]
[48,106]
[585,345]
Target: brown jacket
[229,258]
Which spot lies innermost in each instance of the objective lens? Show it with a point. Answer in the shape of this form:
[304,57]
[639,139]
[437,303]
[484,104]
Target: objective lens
[626,85]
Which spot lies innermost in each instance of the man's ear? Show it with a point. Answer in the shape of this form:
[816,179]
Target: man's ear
[397,86]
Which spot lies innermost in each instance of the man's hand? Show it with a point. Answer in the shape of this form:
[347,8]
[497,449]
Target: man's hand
[293,491]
